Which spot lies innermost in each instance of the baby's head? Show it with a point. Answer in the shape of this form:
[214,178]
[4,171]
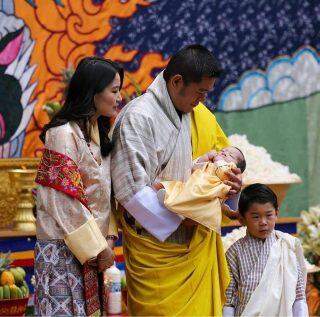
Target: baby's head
[258,208]
[232,154]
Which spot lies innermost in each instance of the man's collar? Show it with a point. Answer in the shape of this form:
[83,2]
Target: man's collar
[159,89]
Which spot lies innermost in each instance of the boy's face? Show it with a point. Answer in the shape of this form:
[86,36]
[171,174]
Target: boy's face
[260,219]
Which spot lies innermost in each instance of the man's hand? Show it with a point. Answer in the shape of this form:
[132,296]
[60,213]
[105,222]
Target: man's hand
[209,156]
[235,181]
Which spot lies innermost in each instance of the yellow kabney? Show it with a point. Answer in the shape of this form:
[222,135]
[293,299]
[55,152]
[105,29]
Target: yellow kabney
[166,279]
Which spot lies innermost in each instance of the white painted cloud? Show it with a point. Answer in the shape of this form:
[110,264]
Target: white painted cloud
[285,79]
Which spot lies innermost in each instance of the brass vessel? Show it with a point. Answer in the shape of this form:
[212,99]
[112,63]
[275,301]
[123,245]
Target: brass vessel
[22,181]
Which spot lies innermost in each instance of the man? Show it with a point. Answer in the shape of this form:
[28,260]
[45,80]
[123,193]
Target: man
[173,266]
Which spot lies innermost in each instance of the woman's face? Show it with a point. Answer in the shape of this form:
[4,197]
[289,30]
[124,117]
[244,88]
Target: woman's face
[106,101]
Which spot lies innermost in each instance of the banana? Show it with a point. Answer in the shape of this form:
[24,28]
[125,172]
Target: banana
[26,287]
[13,291]
[24,290]
[6,292]
[20,294]
[1,292]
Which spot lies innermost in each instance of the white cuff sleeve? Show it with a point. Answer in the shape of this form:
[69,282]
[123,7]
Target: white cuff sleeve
[300,309]
[145,207]
[86,242]
[228,311]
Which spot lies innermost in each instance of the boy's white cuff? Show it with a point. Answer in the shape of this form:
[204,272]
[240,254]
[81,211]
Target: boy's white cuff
[86,242]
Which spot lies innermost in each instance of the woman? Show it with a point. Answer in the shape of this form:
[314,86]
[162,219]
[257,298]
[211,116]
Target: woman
[74,231]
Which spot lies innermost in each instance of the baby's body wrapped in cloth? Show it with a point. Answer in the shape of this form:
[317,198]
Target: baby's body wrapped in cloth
[201,198]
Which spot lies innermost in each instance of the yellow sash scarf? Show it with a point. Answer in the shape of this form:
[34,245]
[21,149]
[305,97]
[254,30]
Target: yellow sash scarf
[166,279]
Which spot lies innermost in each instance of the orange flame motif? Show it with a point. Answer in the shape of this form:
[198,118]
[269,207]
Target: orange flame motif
[65,34]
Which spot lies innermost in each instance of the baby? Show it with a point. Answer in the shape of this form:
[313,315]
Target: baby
[201,198]
[223,161]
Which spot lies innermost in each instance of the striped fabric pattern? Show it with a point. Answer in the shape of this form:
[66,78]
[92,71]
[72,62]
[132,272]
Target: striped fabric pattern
[247,259]
[151,143]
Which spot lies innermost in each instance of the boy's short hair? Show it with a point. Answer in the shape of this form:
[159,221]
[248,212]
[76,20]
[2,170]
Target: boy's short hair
[256,193]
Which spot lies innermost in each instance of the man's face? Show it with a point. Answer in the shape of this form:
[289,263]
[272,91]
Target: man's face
[186,97]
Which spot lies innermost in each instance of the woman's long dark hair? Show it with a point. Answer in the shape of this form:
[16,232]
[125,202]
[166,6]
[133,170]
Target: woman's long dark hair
[92,76]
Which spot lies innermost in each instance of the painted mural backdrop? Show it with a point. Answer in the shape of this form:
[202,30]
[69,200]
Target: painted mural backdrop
[269,51]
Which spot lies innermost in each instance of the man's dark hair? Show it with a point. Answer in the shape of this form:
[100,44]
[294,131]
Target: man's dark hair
[256,193]
[193,62]
[241,164]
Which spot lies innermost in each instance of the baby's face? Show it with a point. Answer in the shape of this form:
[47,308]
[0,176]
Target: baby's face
[229,154]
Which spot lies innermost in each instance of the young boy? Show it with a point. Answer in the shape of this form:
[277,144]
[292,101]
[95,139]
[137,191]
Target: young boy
[267,268]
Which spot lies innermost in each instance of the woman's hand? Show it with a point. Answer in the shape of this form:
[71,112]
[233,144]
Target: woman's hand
[105,259]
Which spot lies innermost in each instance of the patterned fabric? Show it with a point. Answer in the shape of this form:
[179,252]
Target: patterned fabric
[92,290]
[247,258]
[152,144]
[243,35]
[58,213]
[60,172]
[59,283]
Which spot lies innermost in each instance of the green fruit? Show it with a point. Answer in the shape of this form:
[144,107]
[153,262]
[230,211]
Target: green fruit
[24,291]
[1,292]
[13,291]
[18,278]
[21,271]
[20,294]
[6,292]
[26,287]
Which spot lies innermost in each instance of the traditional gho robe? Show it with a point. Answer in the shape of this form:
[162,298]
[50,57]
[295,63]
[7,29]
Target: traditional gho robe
[73,221]
[170,269]
[267,277]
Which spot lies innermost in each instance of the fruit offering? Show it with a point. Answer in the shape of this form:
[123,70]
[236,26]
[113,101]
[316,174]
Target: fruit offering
[12,280]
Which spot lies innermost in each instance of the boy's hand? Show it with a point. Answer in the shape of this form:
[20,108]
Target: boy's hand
[235,181]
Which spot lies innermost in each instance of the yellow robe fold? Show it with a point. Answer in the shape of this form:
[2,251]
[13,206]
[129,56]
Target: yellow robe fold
[166,279]
[201,196]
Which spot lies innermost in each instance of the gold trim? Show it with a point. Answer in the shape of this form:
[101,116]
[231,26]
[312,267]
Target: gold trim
[19,163]
[6,233]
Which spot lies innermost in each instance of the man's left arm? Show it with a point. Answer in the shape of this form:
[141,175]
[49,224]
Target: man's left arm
[133,161]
